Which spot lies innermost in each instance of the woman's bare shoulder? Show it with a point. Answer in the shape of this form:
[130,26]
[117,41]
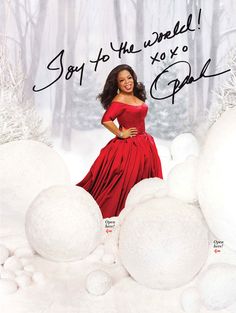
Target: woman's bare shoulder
[118,98]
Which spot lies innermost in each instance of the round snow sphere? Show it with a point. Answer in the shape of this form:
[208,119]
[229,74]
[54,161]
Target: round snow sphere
[146,189]
[216,178]
[182,180]
[98,282]
[183,146]
[217,286]
[13,264]
[7,274]
[39,278]
[4,254]
[7,286]
[190,300]
[23,280]
[26,168]
[64,223]
[163,243]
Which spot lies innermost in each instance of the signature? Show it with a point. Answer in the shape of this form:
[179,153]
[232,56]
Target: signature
[177,84]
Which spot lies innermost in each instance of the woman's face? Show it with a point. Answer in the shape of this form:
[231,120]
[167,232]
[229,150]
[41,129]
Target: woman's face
[125,81]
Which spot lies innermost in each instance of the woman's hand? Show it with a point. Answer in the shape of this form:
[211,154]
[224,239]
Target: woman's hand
[129,132]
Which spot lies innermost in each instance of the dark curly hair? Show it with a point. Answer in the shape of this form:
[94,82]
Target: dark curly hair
[111,86]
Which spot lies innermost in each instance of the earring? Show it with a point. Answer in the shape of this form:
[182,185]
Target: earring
[118,91]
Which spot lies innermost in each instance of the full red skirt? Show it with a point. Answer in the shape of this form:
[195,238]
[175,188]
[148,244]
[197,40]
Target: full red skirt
[120,165]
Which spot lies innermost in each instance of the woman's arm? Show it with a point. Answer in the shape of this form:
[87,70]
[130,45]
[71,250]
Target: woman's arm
[124,133]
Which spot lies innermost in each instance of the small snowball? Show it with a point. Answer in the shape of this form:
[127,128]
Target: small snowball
[13,264]
[25,261]
[190,300]
[7,274]
[23,281]
[39,278]
[22,272]
[144,190]
[7,286]
[29,268]
[98,282]
[147,188]
[217,286]
[4,254]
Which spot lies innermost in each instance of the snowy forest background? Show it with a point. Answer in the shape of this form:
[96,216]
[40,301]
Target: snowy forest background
[32,34]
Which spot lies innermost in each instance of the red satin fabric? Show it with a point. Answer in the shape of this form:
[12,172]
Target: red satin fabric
[122,162]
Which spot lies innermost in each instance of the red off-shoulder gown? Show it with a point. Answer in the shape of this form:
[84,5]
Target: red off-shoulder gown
[122,162]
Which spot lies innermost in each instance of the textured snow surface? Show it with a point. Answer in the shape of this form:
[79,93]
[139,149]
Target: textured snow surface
[64,223]
[163,243]
[26,168]
[216,178]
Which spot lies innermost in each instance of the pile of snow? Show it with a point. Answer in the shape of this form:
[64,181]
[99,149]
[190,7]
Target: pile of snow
[163,243]
[216,178]
[64,223]
[217,286]
[16,270]
[182,180]
[26,168]
[98,282]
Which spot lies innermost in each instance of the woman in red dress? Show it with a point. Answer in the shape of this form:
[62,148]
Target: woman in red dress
[129,157]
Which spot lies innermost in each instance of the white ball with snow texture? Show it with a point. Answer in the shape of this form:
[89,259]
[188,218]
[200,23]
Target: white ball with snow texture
[64,223]
[217,286]
[4,254]
[98,282]
[183,146]
[216,178]
[163,243]
[26,168]
[182,180]
[190,300]
[146,189]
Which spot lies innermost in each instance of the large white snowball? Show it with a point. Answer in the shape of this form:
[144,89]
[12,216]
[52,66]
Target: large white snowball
[183,146]
[26,168]
[182,180]
[98,282]
[163,243]
[64,223]
[216,178]
[217,286]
